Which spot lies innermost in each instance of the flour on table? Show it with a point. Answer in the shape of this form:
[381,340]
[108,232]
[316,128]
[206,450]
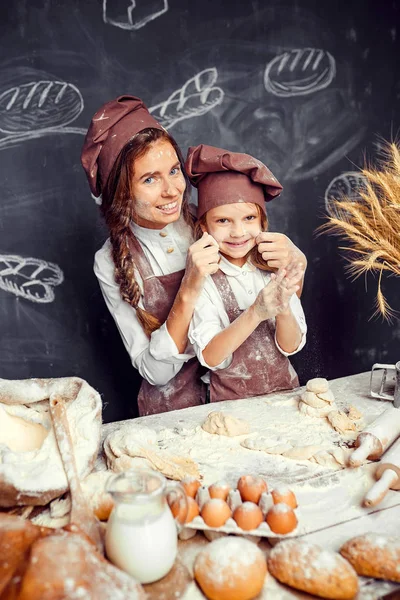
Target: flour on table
[220,423]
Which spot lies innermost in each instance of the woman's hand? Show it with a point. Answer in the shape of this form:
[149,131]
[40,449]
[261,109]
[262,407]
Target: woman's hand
[202,260]
[274,298]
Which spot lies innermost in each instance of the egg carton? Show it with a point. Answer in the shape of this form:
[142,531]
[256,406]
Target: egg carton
[230,527]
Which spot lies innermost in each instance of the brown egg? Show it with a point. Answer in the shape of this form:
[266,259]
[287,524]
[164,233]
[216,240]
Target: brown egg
[179,510]
[193,510]
[251,487]
[190,485]
[281,518]
[283,494]
[248,516]
[215,512]
[220,489]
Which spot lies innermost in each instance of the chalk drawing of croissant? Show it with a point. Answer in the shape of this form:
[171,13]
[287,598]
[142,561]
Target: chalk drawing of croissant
[38,108]
[132,14]
[29,278]
[195,98]
[299,71]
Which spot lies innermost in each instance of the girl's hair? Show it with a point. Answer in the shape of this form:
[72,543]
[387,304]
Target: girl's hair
[255,257]
[117,208]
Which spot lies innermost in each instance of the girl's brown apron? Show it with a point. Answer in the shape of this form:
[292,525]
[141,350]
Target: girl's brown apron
[186,388]
[257,366]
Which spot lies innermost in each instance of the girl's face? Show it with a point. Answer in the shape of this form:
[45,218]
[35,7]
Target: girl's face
[235,228]
[157,186]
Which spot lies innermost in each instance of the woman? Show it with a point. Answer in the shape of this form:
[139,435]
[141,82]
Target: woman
[150,271]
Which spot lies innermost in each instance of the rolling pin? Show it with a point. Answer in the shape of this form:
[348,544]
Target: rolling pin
[387,474]
[379,435]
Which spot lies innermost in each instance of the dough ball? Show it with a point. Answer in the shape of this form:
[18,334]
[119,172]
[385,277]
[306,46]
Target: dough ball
[313,400]
[341,422]
[230,568]
[220,423]
[328,396]
[310,411]
[317,385]
[309,568]
[353,413]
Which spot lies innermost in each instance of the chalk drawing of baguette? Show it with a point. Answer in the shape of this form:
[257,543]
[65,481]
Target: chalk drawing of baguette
[299,72]
[196,97]
[38,108]
[349,185]
[29,278]
[132,14]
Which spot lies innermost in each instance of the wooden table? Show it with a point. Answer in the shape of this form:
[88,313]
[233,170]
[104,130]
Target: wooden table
[322,519]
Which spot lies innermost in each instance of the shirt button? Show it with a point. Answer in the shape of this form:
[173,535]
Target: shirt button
[169,250]
[244,273]
[163,234]
[250,292]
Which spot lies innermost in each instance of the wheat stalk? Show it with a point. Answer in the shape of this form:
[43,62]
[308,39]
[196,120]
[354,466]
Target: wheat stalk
[371,225]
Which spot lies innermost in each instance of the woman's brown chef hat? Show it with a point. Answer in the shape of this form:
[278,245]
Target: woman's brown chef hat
[224,177]
[113,125]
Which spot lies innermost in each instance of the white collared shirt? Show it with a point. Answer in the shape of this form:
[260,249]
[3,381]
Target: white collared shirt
[157,359]
[210,316]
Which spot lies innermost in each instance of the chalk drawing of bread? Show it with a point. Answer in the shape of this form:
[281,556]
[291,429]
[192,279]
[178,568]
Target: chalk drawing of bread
[30,278]
[346,185]
[39,105]
[197,97]
[299,71]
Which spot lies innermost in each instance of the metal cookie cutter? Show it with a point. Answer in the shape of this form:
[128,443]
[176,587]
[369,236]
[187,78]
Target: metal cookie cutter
[388,385]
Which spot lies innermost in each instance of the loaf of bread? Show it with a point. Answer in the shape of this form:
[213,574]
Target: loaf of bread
[230,568]
[309,568]
[374,555]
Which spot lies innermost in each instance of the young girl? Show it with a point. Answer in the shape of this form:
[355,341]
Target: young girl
[247,320]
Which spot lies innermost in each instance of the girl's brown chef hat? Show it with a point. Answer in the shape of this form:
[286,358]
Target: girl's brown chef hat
[224,177]
[113,125]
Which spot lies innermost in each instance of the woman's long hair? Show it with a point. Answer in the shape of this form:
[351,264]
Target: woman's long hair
[117,210]
[254,256]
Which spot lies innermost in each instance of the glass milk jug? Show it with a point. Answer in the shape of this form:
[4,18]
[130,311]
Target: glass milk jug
[141,535]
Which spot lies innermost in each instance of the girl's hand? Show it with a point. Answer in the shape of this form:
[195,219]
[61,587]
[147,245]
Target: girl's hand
[202,260]
[274,298]
[278,250]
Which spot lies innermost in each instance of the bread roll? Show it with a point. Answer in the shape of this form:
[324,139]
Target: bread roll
[374,555]
[309,568]
[230,568]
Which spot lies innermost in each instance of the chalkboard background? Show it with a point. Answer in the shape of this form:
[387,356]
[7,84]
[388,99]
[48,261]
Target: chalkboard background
[308,87]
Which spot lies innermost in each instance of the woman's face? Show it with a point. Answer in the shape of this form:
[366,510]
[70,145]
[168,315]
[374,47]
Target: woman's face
[235,228]
[157,186]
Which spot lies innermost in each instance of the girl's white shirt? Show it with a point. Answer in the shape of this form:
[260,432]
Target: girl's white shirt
[157,359]
[210,316]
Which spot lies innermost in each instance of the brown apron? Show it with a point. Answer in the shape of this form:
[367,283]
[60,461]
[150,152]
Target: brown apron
[257,366]
[186,388]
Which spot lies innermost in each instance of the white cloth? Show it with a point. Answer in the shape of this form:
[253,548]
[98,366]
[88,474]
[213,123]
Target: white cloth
[210,317]
[157,359]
